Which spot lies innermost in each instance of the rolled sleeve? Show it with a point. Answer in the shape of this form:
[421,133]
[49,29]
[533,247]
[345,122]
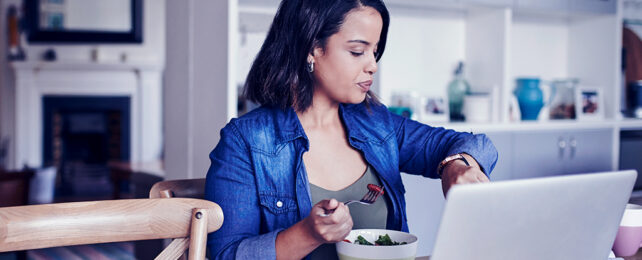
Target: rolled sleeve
[480,147]
[258,247]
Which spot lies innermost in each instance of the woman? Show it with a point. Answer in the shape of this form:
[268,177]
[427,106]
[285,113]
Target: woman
[321,136]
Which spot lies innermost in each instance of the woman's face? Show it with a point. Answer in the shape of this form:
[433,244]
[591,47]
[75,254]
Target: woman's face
[344,69]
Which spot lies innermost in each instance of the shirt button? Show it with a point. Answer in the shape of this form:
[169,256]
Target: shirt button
[279,204]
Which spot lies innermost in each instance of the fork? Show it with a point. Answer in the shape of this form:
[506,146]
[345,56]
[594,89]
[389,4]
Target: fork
[374,192]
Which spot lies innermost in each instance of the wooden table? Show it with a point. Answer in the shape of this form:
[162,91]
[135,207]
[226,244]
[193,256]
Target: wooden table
[637,256]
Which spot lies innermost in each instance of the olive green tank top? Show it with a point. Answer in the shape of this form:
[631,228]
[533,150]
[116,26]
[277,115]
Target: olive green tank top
[363,216]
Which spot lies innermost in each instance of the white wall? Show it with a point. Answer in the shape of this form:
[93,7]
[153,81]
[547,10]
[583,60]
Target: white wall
[199,82]
[422,52]
[539,49]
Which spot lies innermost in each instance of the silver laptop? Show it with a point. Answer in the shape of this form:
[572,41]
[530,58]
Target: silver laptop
[567,217]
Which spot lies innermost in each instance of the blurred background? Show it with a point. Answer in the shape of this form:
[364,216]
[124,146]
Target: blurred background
[99,99]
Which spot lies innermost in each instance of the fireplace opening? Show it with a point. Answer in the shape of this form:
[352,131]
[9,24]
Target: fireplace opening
[81,135]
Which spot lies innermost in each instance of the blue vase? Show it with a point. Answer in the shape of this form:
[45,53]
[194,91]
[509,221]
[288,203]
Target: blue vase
[530,97]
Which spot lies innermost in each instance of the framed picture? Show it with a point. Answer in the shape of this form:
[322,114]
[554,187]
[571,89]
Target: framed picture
[433,109]
[589,103]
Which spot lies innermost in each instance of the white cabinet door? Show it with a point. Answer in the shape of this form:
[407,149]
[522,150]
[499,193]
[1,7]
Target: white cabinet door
[540,154]
[503,142]
[589,151]
[593,6]
[537,154]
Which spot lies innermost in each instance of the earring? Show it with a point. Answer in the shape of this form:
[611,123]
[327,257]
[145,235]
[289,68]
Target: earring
[310,66]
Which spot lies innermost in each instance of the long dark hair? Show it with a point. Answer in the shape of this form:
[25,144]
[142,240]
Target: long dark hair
[278,76]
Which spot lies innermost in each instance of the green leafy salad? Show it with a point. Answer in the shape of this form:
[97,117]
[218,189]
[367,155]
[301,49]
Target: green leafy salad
[382,241]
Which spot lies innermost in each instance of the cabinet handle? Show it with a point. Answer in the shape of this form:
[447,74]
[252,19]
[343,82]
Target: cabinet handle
[573,145]
[561,145]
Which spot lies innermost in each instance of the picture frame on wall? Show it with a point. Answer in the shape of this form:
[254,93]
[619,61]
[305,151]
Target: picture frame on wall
[589,103]
[434,109]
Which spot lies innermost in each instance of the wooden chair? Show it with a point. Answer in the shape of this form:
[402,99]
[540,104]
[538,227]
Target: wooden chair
[76,223]
[184,188]
[187,188]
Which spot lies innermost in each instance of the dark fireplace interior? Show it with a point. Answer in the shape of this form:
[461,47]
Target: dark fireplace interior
[81,135]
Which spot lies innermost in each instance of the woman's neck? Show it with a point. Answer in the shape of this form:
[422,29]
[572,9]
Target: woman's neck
[321,113]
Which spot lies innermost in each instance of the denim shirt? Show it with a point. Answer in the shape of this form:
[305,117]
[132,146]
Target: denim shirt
[258,178]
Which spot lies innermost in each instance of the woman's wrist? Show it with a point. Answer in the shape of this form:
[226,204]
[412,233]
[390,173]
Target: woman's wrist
[296,241]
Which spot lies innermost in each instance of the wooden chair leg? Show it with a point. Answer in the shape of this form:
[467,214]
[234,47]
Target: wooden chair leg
[174,250]
[198,235]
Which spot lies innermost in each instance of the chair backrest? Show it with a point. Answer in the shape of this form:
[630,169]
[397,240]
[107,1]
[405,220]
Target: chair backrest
[75,223]
[186,188]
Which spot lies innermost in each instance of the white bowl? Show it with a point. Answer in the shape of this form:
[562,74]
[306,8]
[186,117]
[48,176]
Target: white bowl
[350,251]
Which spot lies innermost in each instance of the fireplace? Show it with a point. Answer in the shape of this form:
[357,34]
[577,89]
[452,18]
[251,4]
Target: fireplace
[80,135]
[124,102]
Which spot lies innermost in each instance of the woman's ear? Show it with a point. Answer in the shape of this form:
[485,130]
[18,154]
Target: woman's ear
[316,51]
[310,58]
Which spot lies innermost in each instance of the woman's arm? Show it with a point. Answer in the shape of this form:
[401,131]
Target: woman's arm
[231,184]
[422,148]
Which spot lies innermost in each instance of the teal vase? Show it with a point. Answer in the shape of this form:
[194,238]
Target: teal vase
[530,97]
[457,89]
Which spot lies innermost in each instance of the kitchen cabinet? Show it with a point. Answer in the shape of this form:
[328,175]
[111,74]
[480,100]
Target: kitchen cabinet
[550,153]
[630,151]
[537,154]
[589,151]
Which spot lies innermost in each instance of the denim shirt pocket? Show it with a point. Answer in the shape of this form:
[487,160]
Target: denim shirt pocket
[277,203]
[279,210]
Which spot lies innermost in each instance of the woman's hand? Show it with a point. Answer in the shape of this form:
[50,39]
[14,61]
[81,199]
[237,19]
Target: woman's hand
[457,172]
[331,228]
[303,237]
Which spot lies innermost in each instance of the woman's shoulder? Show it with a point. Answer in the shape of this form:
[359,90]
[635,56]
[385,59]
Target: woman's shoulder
[264,126]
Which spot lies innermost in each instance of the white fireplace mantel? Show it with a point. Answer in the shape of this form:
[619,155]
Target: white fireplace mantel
[34,80]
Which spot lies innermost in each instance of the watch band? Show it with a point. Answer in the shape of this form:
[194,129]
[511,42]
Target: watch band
[450,159]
